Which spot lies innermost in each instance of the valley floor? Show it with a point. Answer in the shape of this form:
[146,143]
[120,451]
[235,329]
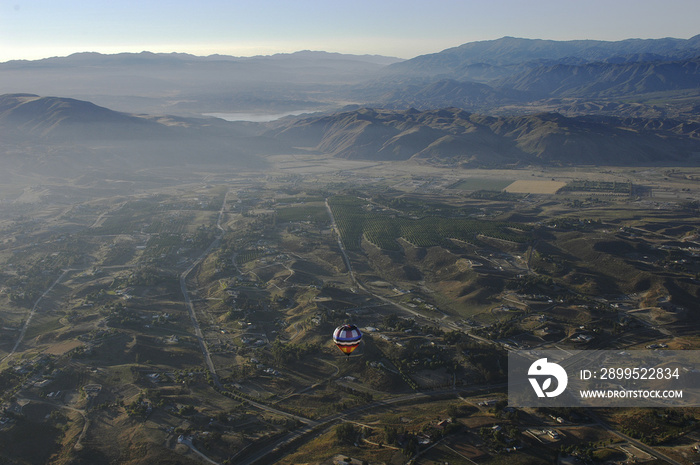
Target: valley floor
[186,316]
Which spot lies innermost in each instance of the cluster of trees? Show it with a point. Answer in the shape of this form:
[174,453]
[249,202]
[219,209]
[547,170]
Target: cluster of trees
[150,276]
[347,433]
[418,206]
[573,223]
[500,329]
[392,322]
[657,427]
[491,365]
[361,395]
[530,284]
[498,438]
[10,382]
[593,451]
[119,315]
[600,186]
[139,407]
[494,195]
[408,441]
[28,285]
[286,353]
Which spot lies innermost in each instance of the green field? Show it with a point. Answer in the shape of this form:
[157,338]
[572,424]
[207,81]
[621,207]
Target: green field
[356,220]
[313,211]
[478,184]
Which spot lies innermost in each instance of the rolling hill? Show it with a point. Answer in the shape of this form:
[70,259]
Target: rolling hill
[453,136]
[73,135]
[32,116]
[449,136]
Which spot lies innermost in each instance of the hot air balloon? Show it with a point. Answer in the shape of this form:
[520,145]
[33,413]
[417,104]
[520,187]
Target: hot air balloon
[347,338]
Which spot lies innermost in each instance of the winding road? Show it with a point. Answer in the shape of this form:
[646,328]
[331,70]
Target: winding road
[445,322]
[268,452]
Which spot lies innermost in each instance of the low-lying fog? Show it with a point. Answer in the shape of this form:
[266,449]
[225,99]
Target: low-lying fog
[256,117]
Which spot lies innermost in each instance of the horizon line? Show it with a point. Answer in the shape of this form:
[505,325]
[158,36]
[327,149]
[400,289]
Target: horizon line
[262,55]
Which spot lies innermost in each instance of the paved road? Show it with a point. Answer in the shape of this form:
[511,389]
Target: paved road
[193,316]
[445,323]
[334,226]
[188,302]
[202,342]
[323,424]
[638,444]
[189,444]
[309,426]
[32,312]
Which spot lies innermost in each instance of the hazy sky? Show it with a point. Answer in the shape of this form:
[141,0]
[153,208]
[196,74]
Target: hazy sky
[31,29]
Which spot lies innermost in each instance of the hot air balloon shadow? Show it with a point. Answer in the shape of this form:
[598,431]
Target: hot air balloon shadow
[347,338]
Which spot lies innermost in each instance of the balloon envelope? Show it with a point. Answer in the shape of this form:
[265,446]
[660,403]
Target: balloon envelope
[347,338]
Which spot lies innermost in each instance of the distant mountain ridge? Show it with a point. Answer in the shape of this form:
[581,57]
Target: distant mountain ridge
[506,76]
[189,85]
[607,79]
[620,103]
[590,81]
[116,59]
[507,52]
[512,75]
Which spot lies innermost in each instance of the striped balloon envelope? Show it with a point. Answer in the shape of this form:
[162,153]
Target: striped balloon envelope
[347,338]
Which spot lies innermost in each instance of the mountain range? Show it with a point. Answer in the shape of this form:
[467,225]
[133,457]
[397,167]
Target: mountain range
[455,137]
[500,77]
[491,59]
[510,75]
[189,85]
[592,81]
[507,102]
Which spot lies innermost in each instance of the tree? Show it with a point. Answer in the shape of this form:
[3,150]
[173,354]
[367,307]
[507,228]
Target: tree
[390,434]
[346,433]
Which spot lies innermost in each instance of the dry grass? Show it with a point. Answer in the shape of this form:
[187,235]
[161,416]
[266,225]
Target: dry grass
[535,187]
[63,347]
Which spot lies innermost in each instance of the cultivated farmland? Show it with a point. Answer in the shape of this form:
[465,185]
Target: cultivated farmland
[535,187]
